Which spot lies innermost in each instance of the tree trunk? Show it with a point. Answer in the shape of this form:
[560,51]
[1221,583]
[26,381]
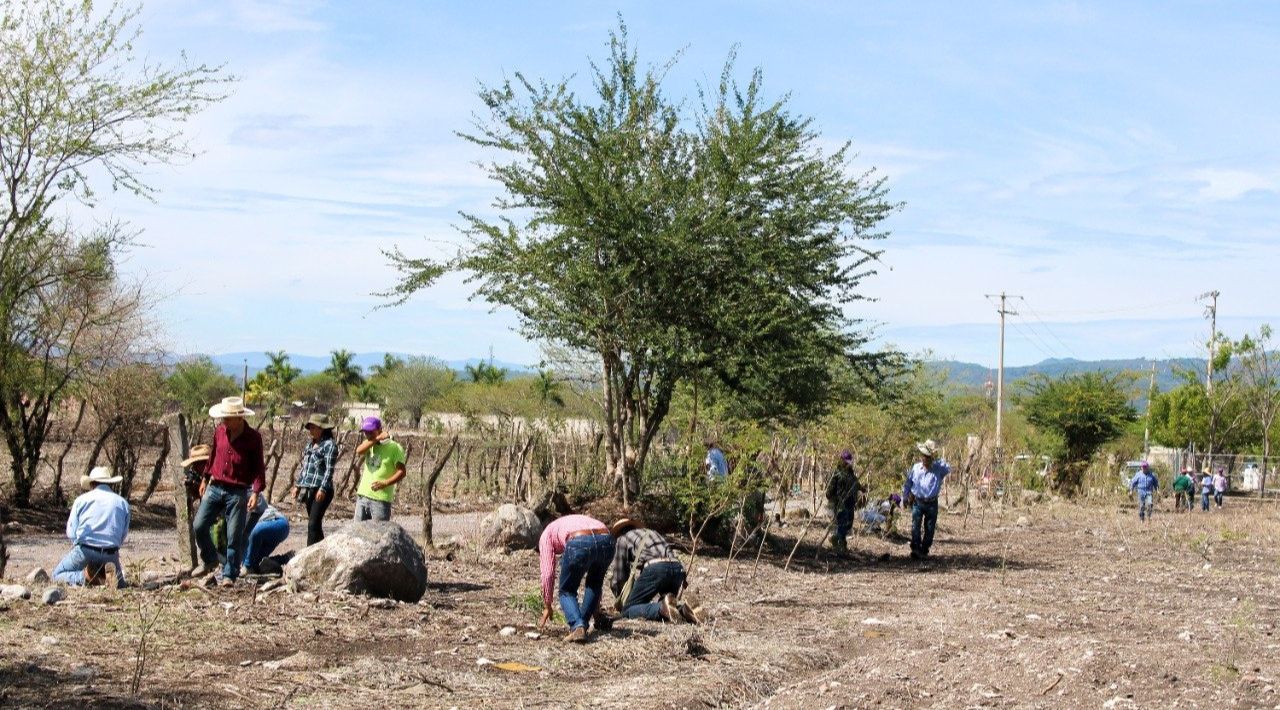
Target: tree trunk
[158,470]
[183,502]
[59,496]
[428,494]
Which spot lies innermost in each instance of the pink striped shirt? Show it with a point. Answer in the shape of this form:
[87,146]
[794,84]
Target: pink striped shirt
[552,543]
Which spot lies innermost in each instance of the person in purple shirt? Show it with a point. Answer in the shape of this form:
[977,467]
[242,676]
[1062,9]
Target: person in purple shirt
[920,491]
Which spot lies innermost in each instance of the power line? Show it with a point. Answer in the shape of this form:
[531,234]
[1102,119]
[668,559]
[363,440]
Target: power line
[1033,339]
[1046,328]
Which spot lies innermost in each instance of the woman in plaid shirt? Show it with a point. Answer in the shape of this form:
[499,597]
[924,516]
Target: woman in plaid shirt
[314,487]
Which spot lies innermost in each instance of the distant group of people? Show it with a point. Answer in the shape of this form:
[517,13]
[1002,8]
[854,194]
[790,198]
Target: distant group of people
[234,526]
[1145,484]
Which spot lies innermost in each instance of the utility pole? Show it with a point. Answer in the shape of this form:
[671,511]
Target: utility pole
[1211,312]
[1003,311]
[244,382]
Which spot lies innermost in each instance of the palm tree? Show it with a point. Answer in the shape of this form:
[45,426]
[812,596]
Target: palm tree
[547,389]
[280,369]
[485,372]
[390,363]
[343,371]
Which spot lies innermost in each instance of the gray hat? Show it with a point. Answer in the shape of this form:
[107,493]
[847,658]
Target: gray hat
[320,420]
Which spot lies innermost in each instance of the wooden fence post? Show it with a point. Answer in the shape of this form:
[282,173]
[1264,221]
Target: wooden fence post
[179,447]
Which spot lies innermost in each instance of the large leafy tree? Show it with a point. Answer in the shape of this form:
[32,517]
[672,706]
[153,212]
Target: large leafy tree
[412,386]
[1086,410]
[198,382]
[78,110]
[1259,377]
[668,239]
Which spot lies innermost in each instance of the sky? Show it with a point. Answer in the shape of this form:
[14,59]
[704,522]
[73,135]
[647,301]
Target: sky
[1105,162]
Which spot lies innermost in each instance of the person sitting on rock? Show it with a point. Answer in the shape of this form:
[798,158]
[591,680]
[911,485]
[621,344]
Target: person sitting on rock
[585,547]
[644,567]
[878,517]
[269,528]
[97,527]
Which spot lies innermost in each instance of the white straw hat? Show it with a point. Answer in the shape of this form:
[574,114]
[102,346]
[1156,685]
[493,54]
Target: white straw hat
[102,474]
[927,447]
[230,407]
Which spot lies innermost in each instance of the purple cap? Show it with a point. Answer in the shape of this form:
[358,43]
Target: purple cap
[371,424]
[846,455]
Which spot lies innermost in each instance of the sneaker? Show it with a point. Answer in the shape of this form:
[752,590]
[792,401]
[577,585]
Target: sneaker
[578,635]
[669,609]
[226,582]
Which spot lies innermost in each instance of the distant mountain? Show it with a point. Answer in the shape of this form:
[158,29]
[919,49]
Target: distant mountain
[234,363]
[966,374]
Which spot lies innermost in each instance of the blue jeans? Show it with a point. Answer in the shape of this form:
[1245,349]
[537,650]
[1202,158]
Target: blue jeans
[1204,501]
[222,501]
[1145,507]
[844,522]
[585,557]
[1217,498]
[370,509]
[656,579]
[266,536]
[71,569]
[924,514]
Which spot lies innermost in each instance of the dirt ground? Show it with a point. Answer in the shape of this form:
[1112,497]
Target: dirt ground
[1054,605]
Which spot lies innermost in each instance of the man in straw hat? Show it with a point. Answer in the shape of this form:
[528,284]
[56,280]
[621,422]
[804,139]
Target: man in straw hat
[920,490]
[644,567]
[97,527]
[236,476]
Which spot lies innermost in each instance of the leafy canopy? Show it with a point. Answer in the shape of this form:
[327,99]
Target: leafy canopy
[1087,410]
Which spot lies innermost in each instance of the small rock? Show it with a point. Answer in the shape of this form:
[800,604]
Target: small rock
[1023,521]
[49,640]
[38,576]
[1185,636]
[872,621]
[245,663]
[14,591]
[532,635]
[482,661]
[307,597]
[52,596]
[507,631]
[83,672]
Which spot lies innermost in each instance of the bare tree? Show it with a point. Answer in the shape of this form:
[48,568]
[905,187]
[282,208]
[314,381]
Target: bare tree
[1259,372]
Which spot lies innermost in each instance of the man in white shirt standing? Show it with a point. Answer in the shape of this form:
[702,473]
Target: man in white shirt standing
[97,527]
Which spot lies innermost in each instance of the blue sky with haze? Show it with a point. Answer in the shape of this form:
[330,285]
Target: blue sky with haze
[1107,161]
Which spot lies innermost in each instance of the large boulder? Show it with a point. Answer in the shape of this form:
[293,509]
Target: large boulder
[374,557]
[510,527]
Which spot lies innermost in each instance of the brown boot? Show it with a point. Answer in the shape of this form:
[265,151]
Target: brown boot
[93,575]
[109,579]
[669,609]
[578,635]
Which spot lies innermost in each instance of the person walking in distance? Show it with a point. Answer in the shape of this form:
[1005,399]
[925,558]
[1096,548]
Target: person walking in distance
[1206,490]
[842,497]
[1220,485]
[1145,483]
[1183,491]
[920,491]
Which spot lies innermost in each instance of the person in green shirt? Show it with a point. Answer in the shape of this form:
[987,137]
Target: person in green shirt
[1183,491]
[383,469]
